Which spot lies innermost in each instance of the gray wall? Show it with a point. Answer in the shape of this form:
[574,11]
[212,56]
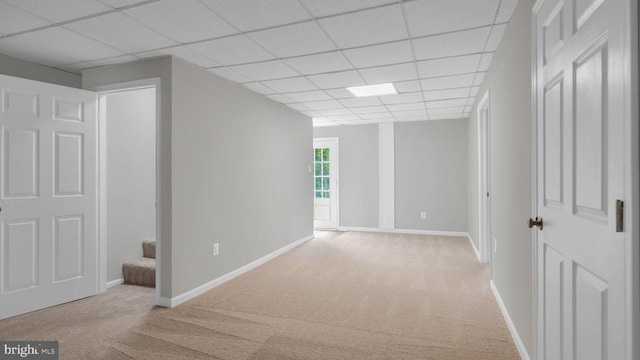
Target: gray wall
[358,151]
[431,175]
[240,176]
[131,177]
[140,70]
[509,82]
[28,70]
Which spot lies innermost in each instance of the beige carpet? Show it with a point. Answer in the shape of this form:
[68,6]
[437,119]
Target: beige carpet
[354,296]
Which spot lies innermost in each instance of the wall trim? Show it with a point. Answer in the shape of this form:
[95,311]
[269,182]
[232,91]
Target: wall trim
[177,300]
[512,328]
[405,231]
[475,249]
[115,282]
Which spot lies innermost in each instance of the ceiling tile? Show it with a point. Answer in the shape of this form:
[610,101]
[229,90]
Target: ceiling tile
[339,93]
[319,63]
[485,62]
[361,101]
[428,17]
[406,107]
[13,20]
[182,52]
[232,50]
[471,101]
[449,66]
[337,79]
[100,62]
[311,113]
[412,118]
[229,74]
[309,96]
[294,40]
[121,3]
[331,112]
[446,94]
[259,88]
[184,21]
[57,12]
[344,117]
[320,8]
[327,123]
[447,82]
[267,70]
[258,14]
[366,27]
[446,116]
[474,91]
[120,32]
[506,10]
[451,44]
[289,85]
[369,109]
[406,113]
[479,78]
[55,46]
[323,105]
[280,98]
[401,98]
[384,54]
[446,103]
[448,110]
[380,121]
[389,73]
[352,122]
[496,37]
[377,115]
[407,86]
[298,107]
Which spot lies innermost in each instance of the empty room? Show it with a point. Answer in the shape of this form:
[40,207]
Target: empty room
[319,179]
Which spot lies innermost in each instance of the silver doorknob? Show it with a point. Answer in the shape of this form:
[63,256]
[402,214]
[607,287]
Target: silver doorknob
[537,222]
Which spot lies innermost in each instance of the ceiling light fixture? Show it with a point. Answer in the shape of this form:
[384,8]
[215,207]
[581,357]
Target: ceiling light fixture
[372,90]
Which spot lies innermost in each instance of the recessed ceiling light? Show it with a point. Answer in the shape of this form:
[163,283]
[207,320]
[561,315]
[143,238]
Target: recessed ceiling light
[372,90]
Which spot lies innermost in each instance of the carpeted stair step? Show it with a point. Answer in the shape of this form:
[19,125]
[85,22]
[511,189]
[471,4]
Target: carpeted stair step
[141,271]
[149,248]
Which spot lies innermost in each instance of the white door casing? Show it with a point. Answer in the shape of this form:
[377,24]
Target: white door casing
[48,196]
[484,167]
[580,87]
[326,198]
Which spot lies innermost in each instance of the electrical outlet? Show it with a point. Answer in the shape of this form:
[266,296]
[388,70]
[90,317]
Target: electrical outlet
[423,215]
[216,249]
[495,245]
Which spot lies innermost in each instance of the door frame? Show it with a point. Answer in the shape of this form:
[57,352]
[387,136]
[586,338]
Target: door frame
[334,158]
[631,168]
[484,185]
[102,176]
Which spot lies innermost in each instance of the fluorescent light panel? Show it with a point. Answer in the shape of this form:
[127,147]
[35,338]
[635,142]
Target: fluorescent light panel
[372,90]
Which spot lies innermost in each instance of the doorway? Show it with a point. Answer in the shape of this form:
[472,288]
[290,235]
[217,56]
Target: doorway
[484,167]
[130,241]
[326,194]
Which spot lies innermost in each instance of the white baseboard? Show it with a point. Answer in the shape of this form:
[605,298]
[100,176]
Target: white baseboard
[177,300]
[475,249]
[405,231]
[512,328]
[115,282]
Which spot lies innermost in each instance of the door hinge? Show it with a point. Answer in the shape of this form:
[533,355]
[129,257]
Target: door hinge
[619,216]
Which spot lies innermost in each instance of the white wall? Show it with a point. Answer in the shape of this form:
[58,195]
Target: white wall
[509,82]
[240,176]
[131,177]
[358,151]
[28,70]
[431,175]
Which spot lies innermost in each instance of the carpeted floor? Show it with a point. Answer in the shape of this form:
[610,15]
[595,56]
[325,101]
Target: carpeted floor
[343,296]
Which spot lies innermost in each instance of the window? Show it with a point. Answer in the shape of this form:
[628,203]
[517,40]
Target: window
[322,169]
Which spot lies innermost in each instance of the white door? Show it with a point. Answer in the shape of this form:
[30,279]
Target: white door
[325,202]
[47,195]
[580,115]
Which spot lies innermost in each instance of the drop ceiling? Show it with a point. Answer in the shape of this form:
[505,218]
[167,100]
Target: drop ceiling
[302,53]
